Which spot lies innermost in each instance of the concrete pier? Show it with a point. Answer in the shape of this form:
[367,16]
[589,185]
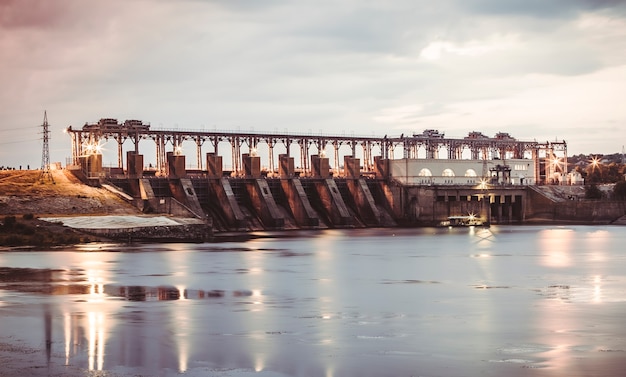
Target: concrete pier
[333,204]
[225,204]
[299,204]
[264,205]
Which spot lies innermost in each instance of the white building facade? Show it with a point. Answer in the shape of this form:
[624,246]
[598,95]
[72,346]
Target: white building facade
[463,172]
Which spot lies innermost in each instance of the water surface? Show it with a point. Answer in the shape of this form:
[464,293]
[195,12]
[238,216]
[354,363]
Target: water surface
[515,301]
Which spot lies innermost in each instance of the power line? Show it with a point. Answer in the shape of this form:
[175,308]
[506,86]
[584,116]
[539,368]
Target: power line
[19,141]
[15,129]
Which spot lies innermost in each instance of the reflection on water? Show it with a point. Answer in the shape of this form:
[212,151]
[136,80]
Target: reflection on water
[557,246]
[545,301]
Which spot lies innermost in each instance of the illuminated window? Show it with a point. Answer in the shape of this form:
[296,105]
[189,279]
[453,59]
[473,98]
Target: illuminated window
[470,173]
[425,173]
[448,173]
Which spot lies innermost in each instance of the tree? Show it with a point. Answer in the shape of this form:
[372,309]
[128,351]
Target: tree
[593,192]
[9,222]
[619,191]
[597,172]
[593,173]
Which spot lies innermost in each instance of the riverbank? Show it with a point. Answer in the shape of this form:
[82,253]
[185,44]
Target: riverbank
[27,231]
[24,199]
[37,214]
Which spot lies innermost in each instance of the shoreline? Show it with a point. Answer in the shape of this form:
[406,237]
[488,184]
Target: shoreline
[197,232]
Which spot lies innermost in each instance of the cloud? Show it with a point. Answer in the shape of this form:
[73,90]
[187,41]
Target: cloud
[351,66]
[540,8]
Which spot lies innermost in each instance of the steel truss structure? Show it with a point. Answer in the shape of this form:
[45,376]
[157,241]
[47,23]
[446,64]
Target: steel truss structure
[480,147]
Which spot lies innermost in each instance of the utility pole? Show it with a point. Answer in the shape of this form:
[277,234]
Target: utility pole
[45,174]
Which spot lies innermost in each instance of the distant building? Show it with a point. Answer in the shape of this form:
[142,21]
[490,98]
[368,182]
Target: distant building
[575,178]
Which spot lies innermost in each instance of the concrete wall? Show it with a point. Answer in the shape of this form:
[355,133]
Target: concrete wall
[594,211]
[429,205]
[543,209]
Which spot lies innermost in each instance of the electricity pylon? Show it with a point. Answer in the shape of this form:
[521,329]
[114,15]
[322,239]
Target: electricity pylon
[45,174]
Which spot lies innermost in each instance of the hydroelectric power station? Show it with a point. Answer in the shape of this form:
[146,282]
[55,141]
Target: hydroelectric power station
[251,181]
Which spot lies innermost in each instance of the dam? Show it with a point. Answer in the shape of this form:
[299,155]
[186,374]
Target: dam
[276,181]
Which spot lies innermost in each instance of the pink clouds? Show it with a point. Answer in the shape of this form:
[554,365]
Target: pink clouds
[306,66]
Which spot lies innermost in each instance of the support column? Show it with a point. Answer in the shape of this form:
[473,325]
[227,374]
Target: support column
[406,148]
[304,155]
[235,144]
[120,159]
[136,141]
[199,142]
[475,152]
[176,145]
[564,165]
[160,154]
[336,147]
[270,145]
[215,141]
[366,155]
[75,137]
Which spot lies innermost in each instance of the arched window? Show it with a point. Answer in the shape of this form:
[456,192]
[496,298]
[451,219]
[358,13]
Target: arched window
[470,173]
[447,173]
[425,173]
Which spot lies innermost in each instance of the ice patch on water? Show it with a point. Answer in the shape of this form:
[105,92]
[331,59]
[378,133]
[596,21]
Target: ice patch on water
[382,336]
[514,361]
[486,286]
[524,349]
[113,222]
[410,281]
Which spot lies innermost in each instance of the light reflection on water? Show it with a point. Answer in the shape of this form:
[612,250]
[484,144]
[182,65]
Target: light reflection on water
[543,301]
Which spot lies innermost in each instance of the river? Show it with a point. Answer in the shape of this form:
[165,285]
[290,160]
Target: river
[505,300]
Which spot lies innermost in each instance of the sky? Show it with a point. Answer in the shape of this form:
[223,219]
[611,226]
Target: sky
[537,69]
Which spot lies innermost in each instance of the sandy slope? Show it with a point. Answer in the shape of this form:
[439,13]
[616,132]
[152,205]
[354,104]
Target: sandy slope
[22,192]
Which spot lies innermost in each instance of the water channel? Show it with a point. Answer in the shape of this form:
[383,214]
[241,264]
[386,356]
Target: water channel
[505,300]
